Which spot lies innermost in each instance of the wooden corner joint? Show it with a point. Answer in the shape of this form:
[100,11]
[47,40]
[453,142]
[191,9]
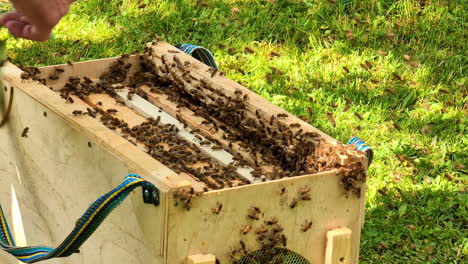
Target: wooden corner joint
[201,259]
[338,250]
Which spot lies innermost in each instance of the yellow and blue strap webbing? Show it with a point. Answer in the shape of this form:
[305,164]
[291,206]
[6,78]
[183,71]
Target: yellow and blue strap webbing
[85,226]
[361,145]
[199,53]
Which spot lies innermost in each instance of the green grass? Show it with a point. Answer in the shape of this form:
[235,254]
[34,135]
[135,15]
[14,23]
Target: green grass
[416,201]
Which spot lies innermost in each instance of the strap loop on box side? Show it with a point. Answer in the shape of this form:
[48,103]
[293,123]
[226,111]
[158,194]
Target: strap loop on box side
[361,145]
[199,53]
[85,226]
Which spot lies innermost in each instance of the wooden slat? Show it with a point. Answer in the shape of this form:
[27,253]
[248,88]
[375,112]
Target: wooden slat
[338,246]
[189,117]
[91,69]
[149,110]
[228,86]
[132,118]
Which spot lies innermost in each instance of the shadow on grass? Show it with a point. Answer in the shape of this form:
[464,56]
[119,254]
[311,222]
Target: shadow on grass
[421,224]
[295,24]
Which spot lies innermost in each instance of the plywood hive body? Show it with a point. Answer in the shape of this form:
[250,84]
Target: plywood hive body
[65,162]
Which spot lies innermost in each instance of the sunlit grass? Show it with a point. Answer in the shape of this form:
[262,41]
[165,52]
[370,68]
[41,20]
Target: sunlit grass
[417,125]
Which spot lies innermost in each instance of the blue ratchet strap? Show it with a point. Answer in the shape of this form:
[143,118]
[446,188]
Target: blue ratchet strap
[85,226]
[361,145]
[198,53]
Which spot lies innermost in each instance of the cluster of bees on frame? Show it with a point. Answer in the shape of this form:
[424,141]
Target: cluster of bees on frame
[272,146]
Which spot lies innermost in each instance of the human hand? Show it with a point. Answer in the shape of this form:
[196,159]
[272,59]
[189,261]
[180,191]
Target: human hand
[35,19]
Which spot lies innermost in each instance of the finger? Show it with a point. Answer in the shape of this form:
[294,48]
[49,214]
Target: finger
[15,27]
[10,16]
[33,33]
[24,19]
[26,31]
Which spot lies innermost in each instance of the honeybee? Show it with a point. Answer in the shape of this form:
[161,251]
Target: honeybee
[293,203]
[205,122]
[358,115]
[305,197]
[258,114]
[390,91]
[25,132]
[397,76]
[69,100]
[331,119]
[306,226]
[382,53]
[304,190]
[272,119]
[213,71]
[443,91]
[277,228]
[261,230]
[249,50]
[164,59]
[425,130]
[216,147]
[91,113]
[257,209]
[284,240]
[218,208]
[77,112]
[346,69]
[243,246]
[87,80]
[271,221]
[246,229]
[398,127]
[282,190]
[26,76]
[130,94]
[253,215]
[349,35]
[390,36]
[275,54]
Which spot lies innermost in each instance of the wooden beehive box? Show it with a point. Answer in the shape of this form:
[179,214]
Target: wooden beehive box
[52,172]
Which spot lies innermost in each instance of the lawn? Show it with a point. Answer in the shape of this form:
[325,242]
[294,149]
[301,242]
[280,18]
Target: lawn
[391,72]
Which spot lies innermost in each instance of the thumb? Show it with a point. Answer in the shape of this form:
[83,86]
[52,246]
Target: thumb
[33,33]
[27,31]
